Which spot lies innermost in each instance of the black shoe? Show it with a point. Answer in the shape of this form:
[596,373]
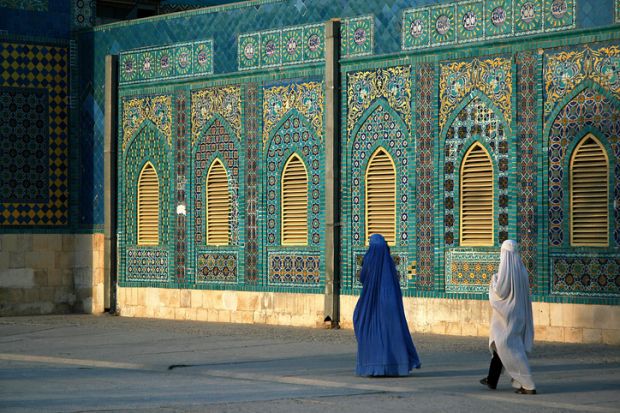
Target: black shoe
[485,382]
[521,390]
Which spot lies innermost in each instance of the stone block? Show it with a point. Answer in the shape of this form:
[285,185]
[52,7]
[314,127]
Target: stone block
[541,314]
[483,330]
[23,242]
[453,329]
[212,315]
[592,335]
[439,327]
[68,243]
[202,314]
[196,298]
[248,301]
[17,278]
[223,316]
[82,277]
[267,301]
[185,299]
[17,259]
[573,335]
[549,333]
[229,300]
[605,317]
[242,317]
[611,337]
[40,278]
[40,259]
[469,329]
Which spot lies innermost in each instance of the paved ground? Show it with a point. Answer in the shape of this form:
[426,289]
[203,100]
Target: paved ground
[81,363]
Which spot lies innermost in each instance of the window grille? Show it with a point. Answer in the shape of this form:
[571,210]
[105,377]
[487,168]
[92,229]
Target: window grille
[381,197]
[476,203]
[294,202]
[148,206]
[218,205]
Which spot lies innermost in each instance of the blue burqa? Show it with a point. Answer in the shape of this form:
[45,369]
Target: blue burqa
[384,344]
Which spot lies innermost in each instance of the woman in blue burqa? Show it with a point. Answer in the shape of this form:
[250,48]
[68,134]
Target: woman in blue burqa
[384,344]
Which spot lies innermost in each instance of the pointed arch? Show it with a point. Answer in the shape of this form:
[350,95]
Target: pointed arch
[380,196]
[217,201]
[294,196]
[289,116]
[148,206]
[469,98]
[476,197]
[589,194]
[383,104]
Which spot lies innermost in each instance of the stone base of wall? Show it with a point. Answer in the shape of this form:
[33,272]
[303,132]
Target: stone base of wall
[51,273]
[303,310]
[568,323]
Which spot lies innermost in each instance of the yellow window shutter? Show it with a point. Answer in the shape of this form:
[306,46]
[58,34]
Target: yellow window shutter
[148,206]
[476,198]
[218,205]
[381,197]
[589,171]
[294,202]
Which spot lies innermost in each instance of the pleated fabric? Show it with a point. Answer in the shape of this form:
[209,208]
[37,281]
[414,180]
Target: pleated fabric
[384,343]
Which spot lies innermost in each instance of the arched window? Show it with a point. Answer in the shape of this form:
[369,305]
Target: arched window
[476,198]
[589,173]
[148,206]
[294,202]
[218,205]
[381,197]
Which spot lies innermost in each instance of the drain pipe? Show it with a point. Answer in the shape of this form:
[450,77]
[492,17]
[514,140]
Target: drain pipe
[332,174]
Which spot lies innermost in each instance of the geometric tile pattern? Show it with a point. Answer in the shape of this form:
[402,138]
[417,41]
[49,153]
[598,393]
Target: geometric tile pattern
[425,173]
[294,136]
[381,127]
[222,101]
[84,13]
[566,69]
[216,267]
[357,36]
[147,146]
[617,11]
[34,129]
[305,98]
[589,110]
[180,194]
[364,88]
[252,142]
[24,160]
[146,264]
[33,5]
[294,269]
[478,20]
[216,142]
[586,274]
[400,262]
[493,77]
[527,155]
[477,119]
[168,62]
[470,270]
[286,46]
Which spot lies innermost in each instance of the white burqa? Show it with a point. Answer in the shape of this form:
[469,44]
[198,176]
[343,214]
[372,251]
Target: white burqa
[512,328]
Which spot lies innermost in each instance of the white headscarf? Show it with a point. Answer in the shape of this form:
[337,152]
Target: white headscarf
[512,327]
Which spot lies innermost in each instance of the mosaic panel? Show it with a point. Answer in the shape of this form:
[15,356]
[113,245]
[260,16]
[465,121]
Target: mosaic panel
[147,145]
[181,199]
[306,98]
[589,110]
[252,142]
[294,269]
[24,134]
[527,216]
[566,69]
[479,20]
[470,271]
[443,25]
[400,262]
[34,117]
[146,264]
[166,62]
[216,267]
[586,274]
[286,46]
[33,5]
[358,36]
[493,77]
[222,101]
[382,127]
[294,136]
[84,13]
[476,121]
[425,173]
[364,88]
[617,11]
[155,109]
[215,142]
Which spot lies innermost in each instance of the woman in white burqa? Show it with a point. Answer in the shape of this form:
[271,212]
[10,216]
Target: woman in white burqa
[512,328]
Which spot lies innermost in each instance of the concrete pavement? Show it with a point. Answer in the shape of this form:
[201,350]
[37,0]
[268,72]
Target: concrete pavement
[81,363]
